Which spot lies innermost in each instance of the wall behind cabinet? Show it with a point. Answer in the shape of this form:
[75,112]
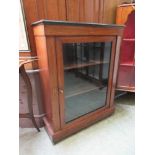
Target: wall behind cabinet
[97,11]
[35,10]
[85,10]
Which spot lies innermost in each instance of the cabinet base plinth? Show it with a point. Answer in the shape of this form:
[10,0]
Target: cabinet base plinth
[68,131]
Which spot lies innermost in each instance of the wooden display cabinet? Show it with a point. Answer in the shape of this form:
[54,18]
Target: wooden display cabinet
[78,63]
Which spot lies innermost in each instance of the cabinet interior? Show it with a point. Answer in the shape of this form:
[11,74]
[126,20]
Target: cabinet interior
[86,67]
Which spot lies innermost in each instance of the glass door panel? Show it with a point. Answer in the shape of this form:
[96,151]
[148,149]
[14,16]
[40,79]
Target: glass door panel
[86,68]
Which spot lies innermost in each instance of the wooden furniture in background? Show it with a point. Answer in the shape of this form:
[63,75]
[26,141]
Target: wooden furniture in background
[126,71]
[123,11]
[29,90]
[66,56]
[96,11]
[110,10]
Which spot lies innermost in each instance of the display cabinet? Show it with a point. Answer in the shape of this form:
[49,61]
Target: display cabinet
[78,63]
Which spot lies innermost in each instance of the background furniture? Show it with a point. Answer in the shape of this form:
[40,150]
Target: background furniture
[126,71]
[78,63]
[96,11]
[33,74]
[29,94]
[122,12]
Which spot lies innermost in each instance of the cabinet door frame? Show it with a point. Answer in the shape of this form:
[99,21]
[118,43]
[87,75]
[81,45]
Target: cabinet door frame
[60,67]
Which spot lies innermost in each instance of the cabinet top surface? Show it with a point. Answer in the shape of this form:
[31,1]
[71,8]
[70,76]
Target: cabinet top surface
[68,23]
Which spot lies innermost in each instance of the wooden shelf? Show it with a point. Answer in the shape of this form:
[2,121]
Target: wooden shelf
[83,64]
[126,88]
[82,92]
[131,39]
[128,63]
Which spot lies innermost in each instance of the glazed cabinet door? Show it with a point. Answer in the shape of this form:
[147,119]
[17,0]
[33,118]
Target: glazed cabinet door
[85,68]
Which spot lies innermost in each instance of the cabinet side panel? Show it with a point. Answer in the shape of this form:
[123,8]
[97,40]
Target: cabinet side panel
[111,73]
[115,71]
[49,90]
[43,66]
[53,81]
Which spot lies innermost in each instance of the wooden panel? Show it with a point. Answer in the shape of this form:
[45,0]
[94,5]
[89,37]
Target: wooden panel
[113,64]
[41,9]
[52,9]
[126,78]
[73,30]
[89,120]
[101,11]
[132,82]
[55,10]
[115,71]
[62,10]
[49,80]
[73,10]
[52,68]
[43,65]
[25,54]
[91,10]
[83,10]
[86,39]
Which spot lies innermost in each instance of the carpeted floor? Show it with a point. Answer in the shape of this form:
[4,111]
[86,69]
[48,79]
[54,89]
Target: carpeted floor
[111,136]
